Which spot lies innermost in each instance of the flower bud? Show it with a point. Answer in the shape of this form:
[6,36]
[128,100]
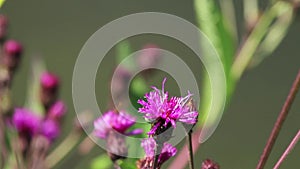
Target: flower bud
[57,111]
[50,129]
[209,164]
[12,51]
[49,88]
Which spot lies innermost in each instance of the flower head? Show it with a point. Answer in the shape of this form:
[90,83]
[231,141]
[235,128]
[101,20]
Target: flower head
[26,122]
[209,164]
[49,80]
[149,146]
[57,110]
[50,129]
[12,48]
[163,111]
[118,121]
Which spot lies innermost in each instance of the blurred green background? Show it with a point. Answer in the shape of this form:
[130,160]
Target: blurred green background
[56,30]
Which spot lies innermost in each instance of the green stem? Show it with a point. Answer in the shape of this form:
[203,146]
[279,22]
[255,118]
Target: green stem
[63,149]
[249,47]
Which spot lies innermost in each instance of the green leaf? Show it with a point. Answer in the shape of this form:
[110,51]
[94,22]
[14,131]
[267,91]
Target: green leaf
[1,3]
[128,164]
[33,101]
[215,27]
[102,162]
[123,51]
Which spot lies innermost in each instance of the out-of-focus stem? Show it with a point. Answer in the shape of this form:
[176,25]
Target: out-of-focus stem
[246,52]
[281,118]
[228,12]
[181,158]
[2,141]
[190,144]
[63,149]
[288,150]
[251,12]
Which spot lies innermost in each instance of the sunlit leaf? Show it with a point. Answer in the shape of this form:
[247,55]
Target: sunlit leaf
[102,162]
[33,101]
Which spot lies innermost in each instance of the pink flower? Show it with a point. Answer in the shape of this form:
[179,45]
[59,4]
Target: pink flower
[149,146]
[50,129]
[49,80]
[161,111]
[118,121]
[12,48]
[26,122]
[57,110]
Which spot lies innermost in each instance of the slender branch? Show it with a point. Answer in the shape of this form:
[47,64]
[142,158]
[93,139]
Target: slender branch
[281,118]
[248,49]
[288,150]
[63,149]
[181,158]
[190,144]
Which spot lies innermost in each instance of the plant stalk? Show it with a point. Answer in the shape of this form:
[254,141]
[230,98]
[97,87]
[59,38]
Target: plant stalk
[281,118]
[288,150]
[190,144]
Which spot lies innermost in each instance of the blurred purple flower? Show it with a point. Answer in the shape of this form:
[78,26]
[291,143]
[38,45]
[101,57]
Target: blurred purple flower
[57,110]
[12,48]
[49,80]
[50,129]
[118,121]
[209,164]
[149,57]
[163,112]
[149,146]
[26,122]
[3,26]
[12,52]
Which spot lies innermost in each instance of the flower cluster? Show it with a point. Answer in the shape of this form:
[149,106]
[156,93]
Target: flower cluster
[149,146]
[112,127]
[116,121]
[164,112]
[29,124]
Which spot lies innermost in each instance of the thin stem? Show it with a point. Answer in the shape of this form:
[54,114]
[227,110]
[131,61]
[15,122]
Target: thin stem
[281,118]
[2,141]
[190,144]
[116,165]
[288,150]
[181,158]
[248,49]
[63,149]
[157,153]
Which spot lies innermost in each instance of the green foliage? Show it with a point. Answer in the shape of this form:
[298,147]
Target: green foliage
[33,101]
[102,162]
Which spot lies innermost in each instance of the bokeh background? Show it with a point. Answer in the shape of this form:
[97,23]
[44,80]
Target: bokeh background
[56,30]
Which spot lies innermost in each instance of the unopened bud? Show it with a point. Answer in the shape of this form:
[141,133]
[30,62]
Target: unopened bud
[209,164]
[12,51]
[49,88]
[3,27]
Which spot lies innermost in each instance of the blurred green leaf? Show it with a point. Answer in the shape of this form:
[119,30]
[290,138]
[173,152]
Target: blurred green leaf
[1,3]
[33,101]
[274,36]
[212,23]
[129,163]
[102,162]
[123,51]
[139,86]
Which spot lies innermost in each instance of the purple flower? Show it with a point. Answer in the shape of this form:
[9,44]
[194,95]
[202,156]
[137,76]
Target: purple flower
[149,146]
[150,57]
[12,48]
[26,122]
[161,111]
[118,121]
[50,129]
[57,110]
[49,80]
